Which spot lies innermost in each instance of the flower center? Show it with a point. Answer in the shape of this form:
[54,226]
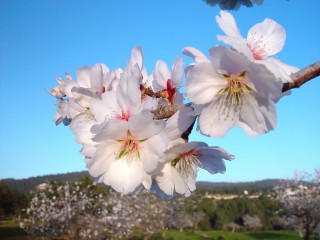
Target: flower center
[170,92]
[259,47]
[130,148]
[125,115]
[232,95]
[185,163]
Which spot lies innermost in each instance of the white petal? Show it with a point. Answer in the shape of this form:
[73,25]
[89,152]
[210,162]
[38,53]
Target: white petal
[66,88]
[216,122]
[105,154]
[269,34]
[136,58]
[82,96]
[106,108]
[179,123]
[170,181]
[124,177]
[128,91]
[203,83]
[259,114]
[96,77]
[83,76]
[88,150]
[280,69]
[114,129]
[191,179]
[151,151]
[228,25]
[265,83]
[81,126]
[177,72]
[161,75]
[211,159]
[142,126]
[195,54]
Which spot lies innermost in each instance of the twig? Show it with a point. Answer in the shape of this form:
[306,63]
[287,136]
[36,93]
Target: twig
[301,77]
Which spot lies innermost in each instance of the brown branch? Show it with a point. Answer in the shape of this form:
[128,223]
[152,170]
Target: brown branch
[301,77]
[185,135]
[163,112]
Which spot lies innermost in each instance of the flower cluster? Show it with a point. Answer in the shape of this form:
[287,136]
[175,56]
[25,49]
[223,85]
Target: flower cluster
[134,126]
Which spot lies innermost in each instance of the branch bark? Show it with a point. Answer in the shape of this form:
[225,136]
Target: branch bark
[301,77]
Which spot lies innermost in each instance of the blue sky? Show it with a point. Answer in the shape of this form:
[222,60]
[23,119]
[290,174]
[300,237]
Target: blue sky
[41,40]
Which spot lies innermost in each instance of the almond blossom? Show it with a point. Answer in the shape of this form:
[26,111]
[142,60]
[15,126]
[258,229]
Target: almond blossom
[178,173]
[127,151]
[263,42]
[230,90]
[168,82]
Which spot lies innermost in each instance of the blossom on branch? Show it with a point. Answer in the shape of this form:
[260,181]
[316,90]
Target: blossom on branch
[178,173]
[231,90]
[263,42]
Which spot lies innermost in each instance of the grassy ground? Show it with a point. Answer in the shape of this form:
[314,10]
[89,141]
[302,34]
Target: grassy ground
[10,230]
[199,235]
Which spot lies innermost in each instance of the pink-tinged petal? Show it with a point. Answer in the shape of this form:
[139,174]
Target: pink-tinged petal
[214,121]
[161,75]
[104,156]
[177,72]
[179,122]
[203,83]
[106,108]
[152,150]
[180,148]
[268,37]
[195,54]
[114,129]
[142,126]
[83,77]
[228,25]
[259,114]
[124,177]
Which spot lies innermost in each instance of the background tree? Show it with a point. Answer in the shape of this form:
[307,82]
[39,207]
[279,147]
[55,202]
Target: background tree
[301,201]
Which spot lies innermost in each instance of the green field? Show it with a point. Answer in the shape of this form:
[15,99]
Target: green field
[10,230]
[217,235]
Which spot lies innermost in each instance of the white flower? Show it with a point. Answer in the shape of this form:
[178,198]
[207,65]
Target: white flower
[264,40]
[181,162]
[168,82]
[233,91]
[127,151]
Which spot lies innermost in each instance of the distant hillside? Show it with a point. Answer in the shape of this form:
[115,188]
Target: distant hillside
[28,184]
[238,187]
